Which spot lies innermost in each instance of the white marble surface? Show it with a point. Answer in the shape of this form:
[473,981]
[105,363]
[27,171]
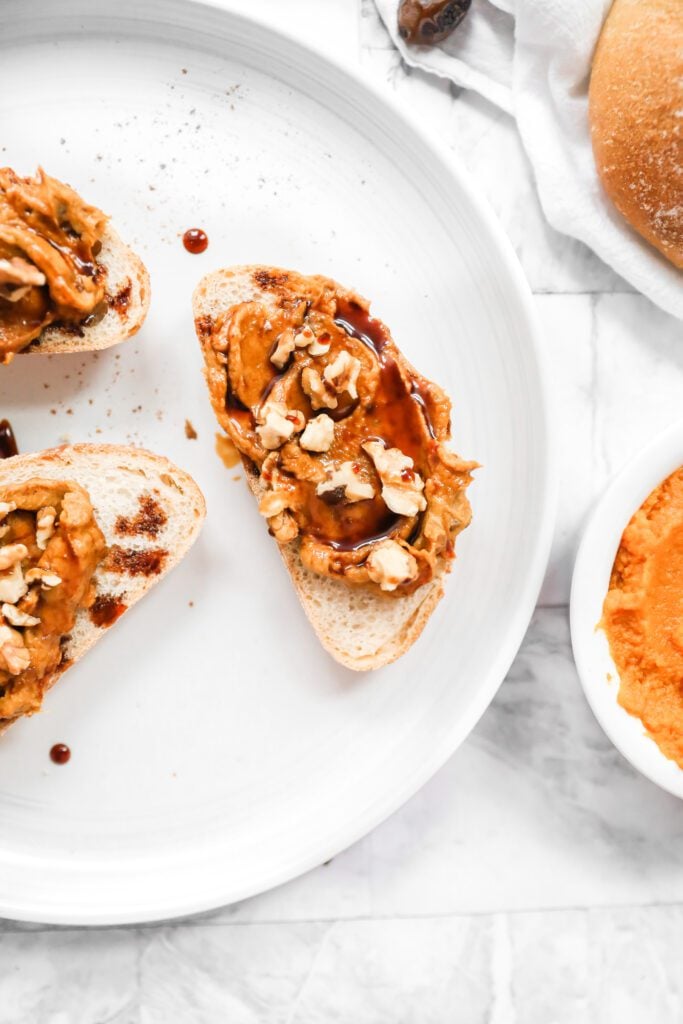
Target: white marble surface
[537,878]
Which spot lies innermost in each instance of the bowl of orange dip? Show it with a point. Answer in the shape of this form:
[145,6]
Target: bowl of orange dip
[627,611]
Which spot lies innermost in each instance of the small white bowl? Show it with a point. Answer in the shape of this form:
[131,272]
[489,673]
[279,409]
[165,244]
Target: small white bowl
[592,570]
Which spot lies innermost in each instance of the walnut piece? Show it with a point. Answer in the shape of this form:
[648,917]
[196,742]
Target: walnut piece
[390,565]
[342,374]
[12,651]
[47,578]
[273,503]
[283,349]
[45,525]
[319,434]
[12,584]
[19,271]
[346,478]
[11,554]
[321,395]
[307,339]
[283,527]
[401,486]
[288,341]
[17,618]
[279,423]
[275,507]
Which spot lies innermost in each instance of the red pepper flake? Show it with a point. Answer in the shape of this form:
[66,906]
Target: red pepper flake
[355,468]
[292,417]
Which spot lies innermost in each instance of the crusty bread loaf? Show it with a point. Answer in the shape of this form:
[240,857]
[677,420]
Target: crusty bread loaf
[127,298]
[144,542]
[360,628]
[636,110]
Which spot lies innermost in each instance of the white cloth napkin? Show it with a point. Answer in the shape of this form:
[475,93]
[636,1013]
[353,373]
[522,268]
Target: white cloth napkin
[533,58]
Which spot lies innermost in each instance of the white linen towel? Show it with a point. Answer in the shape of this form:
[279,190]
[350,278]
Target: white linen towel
[533,58]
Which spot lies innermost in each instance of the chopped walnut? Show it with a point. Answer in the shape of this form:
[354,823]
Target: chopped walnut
[279,423]
[274,506]
[11,554]
[273,503]
[401,486]
[318,348]
[390,565]
[12,584]
[304,337]
[45,525]
[47,579]
[283,527]
[283,349]
[19,271]
[29,602]
[321,395]
[12,651]
[319,434]
[345,479]
[342,374]
[307,339]
[18,618]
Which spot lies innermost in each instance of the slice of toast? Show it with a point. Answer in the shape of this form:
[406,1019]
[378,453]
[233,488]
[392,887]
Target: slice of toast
[149,511]
[359,627]
[127,301]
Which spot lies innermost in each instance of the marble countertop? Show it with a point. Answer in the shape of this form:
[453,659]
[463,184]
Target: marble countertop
[537,878]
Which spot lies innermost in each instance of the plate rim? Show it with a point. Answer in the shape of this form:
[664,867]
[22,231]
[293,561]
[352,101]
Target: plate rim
[340,839]
[620,500]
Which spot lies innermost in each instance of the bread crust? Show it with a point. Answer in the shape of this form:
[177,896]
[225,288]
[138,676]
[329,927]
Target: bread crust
[636,98]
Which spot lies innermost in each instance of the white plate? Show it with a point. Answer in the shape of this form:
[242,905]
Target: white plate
[217,750]
[590,581]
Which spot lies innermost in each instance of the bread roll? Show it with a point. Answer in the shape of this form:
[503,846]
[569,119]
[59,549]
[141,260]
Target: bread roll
[636,115]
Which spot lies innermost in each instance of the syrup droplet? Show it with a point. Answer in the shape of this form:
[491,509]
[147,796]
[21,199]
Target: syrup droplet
[60,753]
[195,240]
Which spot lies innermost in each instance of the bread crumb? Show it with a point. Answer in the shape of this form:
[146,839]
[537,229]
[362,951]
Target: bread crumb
[190,432]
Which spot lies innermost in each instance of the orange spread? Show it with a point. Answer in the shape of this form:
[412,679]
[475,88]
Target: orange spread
[643,616]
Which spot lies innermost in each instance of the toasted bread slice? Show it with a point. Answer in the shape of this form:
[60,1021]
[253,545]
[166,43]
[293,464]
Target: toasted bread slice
[149,511]
[127,298]
[360,628]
